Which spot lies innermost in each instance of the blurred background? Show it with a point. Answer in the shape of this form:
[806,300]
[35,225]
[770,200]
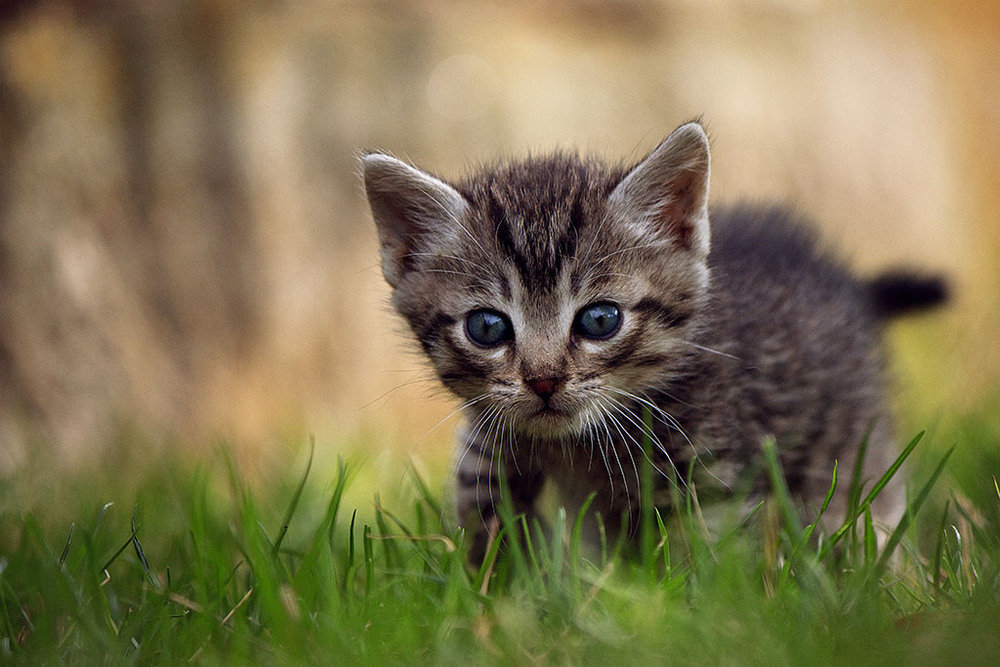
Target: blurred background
[186,253]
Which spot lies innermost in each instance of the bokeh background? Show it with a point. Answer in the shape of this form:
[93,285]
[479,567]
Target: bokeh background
[185,250]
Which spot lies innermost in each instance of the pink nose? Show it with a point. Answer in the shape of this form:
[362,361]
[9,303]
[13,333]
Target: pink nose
[544,387]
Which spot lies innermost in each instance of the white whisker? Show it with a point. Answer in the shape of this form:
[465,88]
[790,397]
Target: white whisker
[395,389]
[668,420]
[710,350]
[643,246]
[659,413]
[622,432]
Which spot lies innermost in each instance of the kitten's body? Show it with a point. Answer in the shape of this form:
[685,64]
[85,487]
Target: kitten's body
[559,298]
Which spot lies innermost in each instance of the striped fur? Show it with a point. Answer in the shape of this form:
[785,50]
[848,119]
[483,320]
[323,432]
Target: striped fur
[764,335]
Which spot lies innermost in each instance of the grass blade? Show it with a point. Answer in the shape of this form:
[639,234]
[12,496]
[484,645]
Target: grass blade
[852,518]
[138,547]
[893,469]
[69,538]
[118,553]
[811,528]
[664,545]
[424,491]
[333,507]
[780,489]
[390,551]
[481,582]
[939,547]
[294,503]
[911,511]
[558,542]
[826,504]
[577,535]
[871,542]
[366,542]
[349,570]
[529,544]
[857,475]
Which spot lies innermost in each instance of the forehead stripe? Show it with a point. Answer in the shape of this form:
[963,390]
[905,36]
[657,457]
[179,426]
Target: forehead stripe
[536,247]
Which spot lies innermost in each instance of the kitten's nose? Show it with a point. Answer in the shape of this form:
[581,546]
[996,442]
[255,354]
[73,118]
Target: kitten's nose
[545,387]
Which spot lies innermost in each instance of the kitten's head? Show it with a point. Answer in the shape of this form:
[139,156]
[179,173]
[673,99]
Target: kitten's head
[552,289]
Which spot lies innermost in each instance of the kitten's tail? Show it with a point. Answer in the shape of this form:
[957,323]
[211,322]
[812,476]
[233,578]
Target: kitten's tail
[902,292]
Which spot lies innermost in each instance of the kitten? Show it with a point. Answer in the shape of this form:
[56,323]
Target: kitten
[559,298]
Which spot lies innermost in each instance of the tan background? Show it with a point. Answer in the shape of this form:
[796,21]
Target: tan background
[184,247]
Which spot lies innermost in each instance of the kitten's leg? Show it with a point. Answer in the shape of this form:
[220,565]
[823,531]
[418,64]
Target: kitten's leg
[478,492]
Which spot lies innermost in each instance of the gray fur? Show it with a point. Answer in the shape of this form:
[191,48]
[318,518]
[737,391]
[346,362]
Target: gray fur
[763,335]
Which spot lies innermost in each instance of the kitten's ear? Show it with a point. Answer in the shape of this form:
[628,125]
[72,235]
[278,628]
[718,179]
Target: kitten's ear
[669,190]
[409,206]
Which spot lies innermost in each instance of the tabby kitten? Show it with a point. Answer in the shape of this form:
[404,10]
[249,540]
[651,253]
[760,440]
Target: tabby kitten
[559,298]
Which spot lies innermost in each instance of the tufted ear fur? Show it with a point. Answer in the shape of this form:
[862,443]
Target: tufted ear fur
[409,208]
[668,190]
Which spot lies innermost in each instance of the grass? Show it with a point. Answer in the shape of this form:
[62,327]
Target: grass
[191,564]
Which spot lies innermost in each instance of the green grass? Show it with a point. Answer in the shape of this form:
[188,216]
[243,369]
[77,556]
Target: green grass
[191,564]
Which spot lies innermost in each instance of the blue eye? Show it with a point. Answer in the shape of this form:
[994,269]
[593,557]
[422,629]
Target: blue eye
[598,321]
[488,328]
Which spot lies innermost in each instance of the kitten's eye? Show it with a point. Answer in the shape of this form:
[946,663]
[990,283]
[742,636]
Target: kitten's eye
[598,321]
[488,328]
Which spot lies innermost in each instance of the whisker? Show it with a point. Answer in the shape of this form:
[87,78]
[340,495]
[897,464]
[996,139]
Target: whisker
[667,419]
[678,478]
[590,447]
[604,449]
[643,246]
[438,255]
[599,276]
[710,350]
[455,273]
[628,450]
[659,413]
[488,416]
[614,450]
[627,435]
[508,426]
[468,443]
[635,421]
[461,408]
[427,434]
[395,389]
[621,431]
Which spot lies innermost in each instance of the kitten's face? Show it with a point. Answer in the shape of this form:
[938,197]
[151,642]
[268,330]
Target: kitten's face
[548,292]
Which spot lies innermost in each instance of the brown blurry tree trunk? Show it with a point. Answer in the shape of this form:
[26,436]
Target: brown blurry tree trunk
[183,45]
[165,238]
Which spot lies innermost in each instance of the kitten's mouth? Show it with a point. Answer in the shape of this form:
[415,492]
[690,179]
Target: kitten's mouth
[553,418]
[550,413]
[550,421]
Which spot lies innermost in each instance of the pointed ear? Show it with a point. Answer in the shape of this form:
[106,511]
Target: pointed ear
[668,191]
[409,207]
